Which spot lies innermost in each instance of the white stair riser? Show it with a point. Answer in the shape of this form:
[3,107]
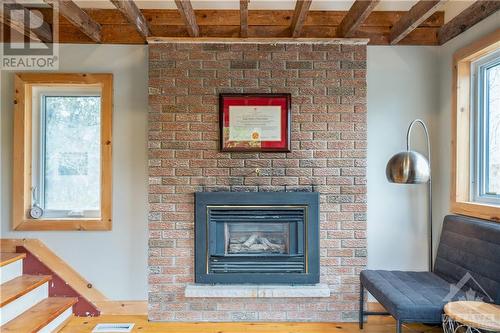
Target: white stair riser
[23,303]
[54,324]
[11,271]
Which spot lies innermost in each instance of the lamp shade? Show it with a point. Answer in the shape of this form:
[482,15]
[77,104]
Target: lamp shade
[408,167]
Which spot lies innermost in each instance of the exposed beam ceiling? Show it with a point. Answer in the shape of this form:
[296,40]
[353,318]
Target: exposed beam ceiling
[116,29]
[473,14]
[187,14]
[299,17]
[244,18]
[14,17]
[356,15]
[134,15]
[420,12]
[420,25]
[78,18]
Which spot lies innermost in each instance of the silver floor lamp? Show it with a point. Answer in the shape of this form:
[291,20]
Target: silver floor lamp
[411,167]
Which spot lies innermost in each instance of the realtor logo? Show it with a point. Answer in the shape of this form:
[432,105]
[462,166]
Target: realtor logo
[471,294]
[29,36]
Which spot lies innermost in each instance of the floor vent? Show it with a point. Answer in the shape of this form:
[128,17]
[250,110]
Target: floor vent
[113,328]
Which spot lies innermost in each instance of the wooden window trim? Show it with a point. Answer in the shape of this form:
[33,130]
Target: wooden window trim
[22,157]
[460,202]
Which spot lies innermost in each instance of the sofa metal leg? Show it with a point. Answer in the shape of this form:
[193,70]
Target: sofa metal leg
[361,305]
[399,326]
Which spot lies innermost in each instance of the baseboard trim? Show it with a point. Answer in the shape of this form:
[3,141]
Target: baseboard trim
[123,307]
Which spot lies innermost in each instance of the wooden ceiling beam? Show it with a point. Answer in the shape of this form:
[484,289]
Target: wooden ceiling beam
[244,18]
[14,17]
[299,16]
[187,13]
[417,14]
[473,14]
[356,15]
[133,14]
[78,18]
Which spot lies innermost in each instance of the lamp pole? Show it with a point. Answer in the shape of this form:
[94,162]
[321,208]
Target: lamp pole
[429,184]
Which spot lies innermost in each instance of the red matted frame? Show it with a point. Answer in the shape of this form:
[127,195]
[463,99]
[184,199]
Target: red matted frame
[227,100]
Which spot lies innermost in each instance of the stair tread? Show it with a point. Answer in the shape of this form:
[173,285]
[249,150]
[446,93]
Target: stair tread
[7,257]
[19,286]
[39,315]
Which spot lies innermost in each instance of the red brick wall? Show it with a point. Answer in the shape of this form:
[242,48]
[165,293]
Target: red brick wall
[328,87]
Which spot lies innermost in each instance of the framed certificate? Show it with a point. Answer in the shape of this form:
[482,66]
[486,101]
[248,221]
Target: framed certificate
[255,122]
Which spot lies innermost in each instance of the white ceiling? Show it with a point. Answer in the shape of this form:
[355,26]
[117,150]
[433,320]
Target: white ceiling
[451,8]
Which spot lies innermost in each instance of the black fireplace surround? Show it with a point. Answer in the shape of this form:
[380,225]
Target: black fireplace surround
[257,237]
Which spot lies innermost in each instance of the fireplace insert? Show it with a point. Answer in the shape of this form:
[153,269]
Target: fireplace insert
[257,237]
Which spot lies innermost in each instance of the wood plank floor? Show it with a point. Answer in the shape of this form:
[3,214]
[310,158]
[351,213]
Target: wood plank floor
[85,325]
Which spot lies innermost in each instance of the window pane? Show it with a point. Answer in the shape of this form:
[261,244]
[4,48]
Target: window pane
[72,153]
[493,139]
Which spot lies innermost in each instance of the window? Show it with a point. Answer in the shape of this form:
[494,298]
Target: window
[486,128]
[62,140]
[66,151]
[475,188]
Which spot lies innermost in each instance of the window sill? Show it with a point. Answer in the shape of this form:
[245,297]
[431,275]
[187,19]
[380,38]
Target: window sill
[479,210]
[64,225]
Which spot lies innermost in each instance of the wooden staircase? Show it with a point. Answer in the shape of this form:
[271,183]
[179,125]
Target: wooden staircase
[25,305]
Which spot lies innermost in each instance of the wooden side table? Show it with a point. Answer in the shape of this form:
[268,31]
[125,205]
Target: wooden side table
[471,317]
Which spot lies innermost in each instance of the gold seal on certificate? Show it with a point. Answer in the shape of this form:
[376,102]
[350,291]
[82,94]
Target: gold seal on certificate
[255,122]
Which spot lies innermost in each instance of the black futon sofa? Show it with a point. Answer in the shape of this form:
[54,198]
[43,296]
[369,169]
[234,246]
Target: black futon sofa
[468,259]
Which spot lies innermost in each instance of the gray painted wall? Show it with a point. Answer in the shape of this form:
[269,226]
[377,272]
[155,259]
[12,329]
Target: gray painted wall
[402,85]
[405,83]
[114,262]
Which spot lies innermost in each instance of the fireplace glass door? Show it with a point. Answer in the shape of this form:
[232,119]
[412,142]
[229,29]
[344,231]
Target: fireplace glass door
[261,239]
[267,239]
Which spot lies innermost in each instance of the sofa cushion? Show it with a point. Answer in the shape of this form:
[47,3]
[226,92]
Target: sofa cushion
[469,255]
[409,296]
